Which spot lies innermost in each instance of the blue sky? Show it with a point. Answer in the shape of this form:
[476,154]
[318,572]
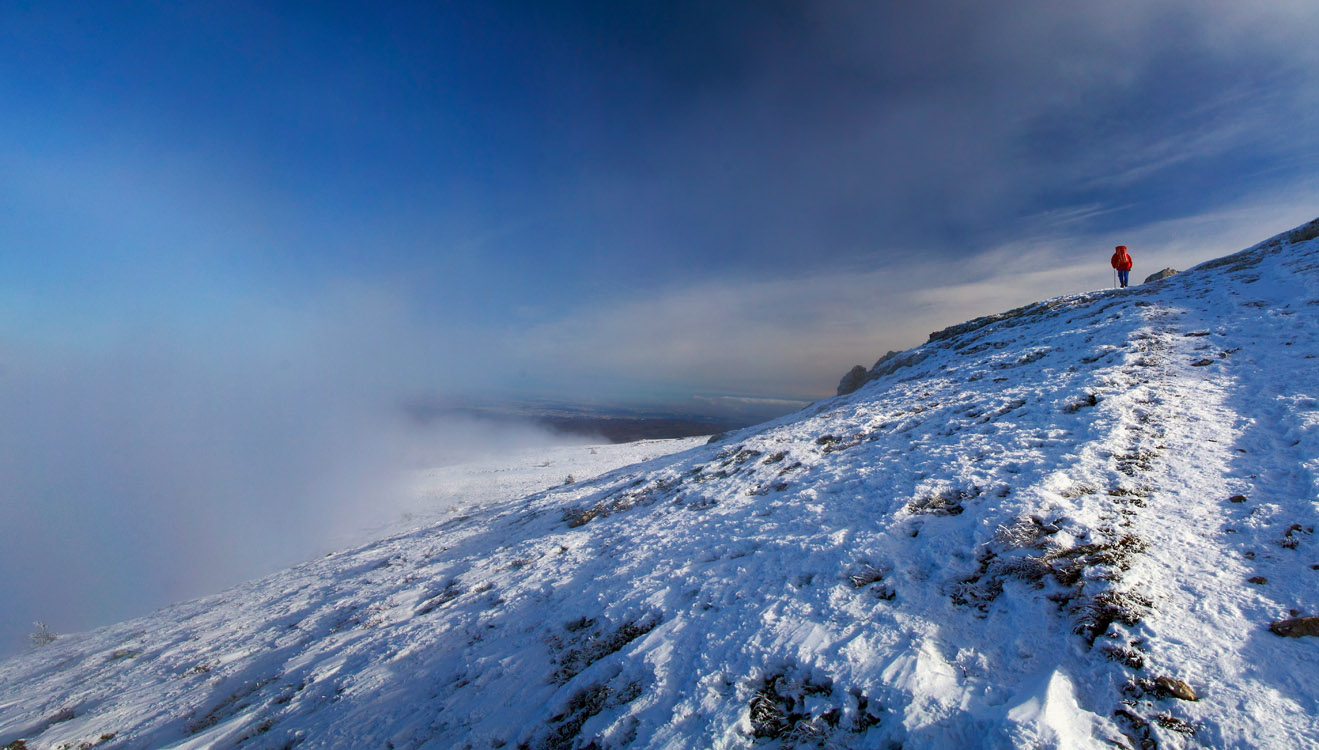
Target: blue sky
[498,168]
[234,235]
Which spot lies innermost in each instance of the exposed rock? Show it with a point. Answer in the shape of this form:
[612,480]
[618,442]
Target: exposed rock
[1237,499]
[890,355]
[885,365]
[1160,276]
[1175,688]
[855,378]
[894,361]
[1304,233]
[1296,627]
[1015,317]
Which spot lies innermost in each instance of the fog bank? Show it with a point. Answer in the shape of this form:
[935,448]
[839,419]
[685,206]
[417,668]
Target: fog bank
[136,474]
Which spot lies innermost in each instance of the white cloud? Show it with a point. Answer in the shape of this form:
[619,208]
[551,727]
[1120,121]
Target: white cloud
[795,337]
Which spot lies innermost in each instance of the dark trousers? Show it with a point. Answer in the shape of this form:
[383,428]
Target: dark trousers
[1122,276]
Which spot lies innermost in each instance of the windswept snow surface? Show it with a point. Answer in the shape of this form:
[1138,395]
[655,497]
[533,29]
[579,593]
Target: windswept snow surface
[1007,543]
[438,493]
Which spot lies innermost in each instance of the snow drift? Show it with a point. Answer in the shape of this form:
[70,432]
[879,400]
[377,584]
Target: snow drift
[1069,526]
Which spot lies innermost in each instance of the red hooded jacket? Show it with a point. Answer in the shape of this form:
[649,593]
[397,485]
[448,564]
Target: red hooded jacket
[1121,259]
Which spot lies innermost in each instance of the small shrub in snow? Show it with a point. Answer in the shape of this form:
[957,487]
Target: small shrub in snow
[581,623]
[576,517]
[807,711]
[590,643]
[1131,657]
[865,575]
[778,708]
[1031,569]
[638,493]
[745,455]
[945,503]
[1289,540]
[1089,400]
[1025,532]
[568,723]
[450,592]
[1174,724]
[1108,607]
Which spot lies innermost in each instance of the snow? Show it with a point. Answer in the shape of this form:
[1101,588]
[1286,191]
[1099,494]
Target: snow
[1004,543]
[440,492]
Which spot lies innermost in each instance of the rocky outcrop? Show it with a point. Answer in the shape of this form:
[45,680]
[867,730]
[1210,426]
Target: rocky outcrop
[885,359]
[1176,688]
[894,361]
[885,365]
[855,378]
[1160,276]
[1296,627]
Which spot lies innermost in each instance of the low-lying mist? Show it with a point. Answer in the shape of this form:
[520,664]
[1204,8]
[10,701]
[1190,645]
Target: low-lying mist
[141,474]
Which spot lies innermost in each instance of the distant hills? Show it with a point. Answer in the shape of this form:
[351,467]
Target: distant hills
[615,425]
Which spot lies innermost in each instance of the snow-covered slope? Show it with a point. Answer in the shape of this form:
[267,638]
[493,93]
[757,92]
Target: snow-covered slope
[1024,537]
[438,493]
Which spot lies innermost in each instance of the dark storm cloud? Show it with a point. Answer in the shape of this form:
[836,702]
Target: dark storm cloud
[833,133]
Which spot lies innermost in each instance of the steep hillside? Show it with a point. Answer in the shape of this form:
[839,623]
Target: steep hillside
[1046,528]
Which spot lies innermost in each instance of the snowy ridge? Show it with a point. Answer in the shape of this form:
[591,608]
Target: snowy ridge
[1035,534]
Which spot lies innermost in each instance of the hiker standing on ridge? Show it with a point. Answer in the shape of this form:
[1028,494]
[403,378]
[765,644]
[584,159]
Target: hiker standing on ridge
[1122,263]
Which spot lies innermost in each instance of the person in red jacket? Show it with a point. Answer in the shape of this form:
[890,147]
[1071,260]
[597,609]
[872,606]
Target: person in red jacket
[1122,262]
